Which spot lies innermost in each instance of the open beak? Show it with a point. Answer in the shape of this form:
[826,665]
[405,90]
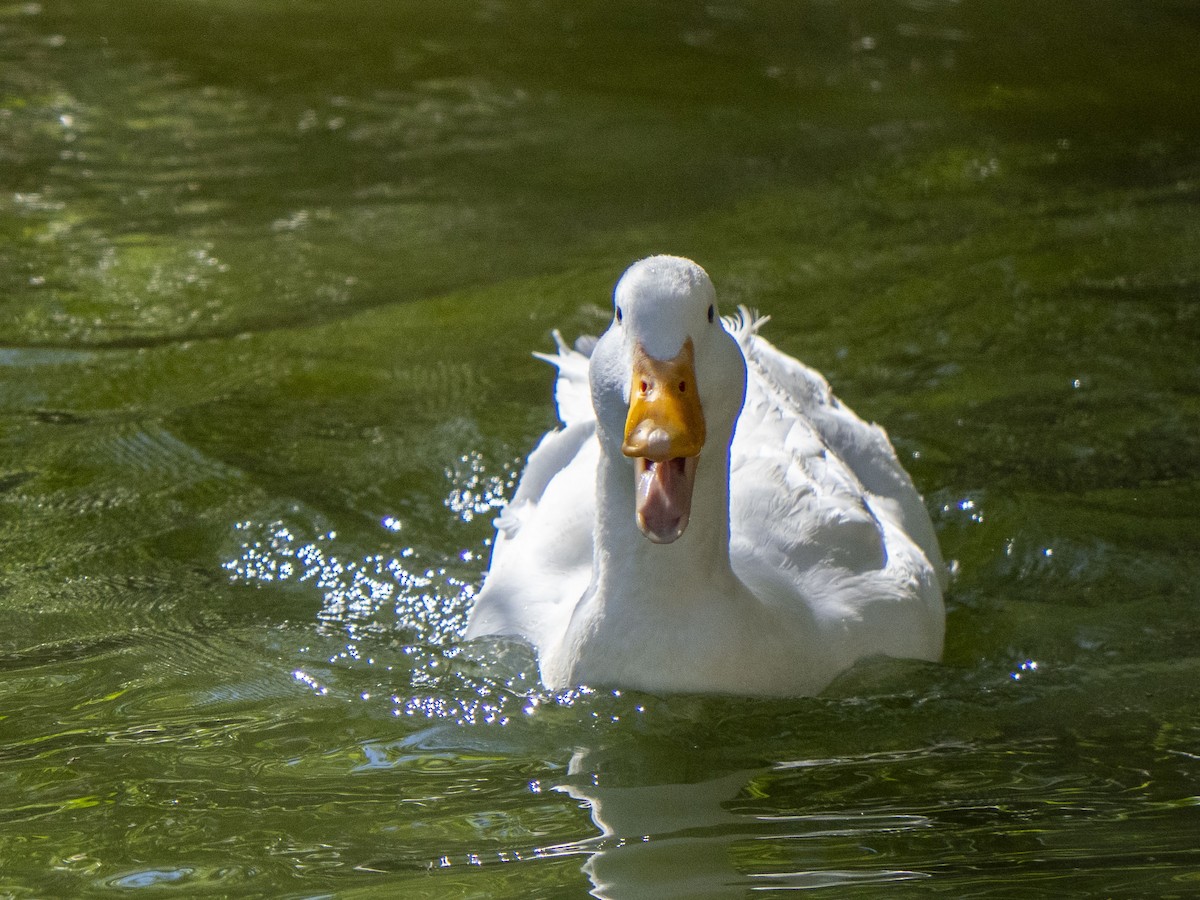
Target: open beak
[664,434]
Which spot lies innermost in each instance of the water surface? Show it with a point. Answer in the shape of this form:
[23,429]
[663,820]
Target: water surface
[270,275]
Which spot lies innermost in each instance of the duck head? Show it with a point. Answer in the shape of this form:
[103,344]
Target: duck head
[667,383]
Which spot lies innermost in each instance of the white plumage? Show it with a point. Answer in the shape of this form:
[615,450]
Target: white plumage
[805,547]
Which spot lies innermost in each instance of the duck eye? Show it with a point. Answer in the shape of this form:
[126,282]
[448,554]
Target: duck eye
[619,315]
[711,312]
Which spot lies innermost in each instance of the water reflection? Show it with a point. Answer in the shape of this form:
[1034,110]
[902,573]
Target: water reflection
[666,840]
[710,838]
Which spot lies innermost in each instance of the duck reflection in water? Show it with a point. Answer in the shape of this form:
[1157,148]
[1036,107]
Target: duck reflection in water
[697,840]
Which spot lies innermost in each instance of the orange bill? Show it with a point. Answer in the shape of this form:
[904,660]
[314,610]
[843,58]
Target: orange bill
[664,433]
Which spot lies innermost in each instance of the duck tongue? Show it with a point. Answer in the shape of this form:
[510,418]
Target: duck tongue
[664,496]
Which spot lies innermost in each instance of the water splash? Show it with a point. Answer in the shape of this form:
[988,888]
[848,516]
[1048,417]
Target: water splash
[476,492]
[372,594]
[400,611]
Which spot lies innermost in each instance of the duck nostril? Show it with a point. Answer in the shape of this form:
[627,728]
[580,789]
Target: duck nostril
[683,387]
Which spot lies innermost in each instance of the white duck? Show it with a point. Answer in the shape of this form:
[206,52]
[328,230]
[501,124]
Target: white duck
[711,518]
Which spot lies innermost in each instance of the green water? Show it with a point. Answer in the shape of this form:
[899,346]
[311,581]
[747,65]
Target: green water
[270,274]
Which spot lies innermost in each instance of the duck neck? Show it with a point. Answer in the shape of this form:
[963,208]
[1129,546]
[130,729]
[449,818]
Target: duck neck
[628,568]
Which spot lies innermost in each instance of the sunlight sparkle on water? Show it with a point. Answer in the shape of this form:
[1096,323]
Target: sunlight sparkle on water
[1026,669]
[474,492]
[375,598]
[306,679]
[373,593]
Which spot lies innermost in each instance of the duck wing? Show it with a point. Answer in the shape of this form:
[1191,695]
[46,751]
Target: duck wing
[822,514]
[542,557]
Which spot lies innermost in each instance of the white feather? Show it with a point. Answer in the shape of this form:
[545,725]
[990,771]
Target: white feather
[809,551]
